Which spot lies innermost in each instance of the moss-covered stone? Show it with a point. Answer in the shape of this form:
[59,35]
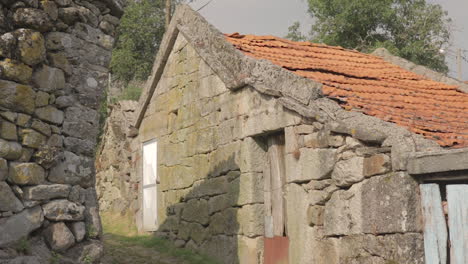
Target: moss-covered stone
[31,46]
[59,60]
[26,173]
[17,97]
[15,71]
[32,18]
[32,139]
[8,131]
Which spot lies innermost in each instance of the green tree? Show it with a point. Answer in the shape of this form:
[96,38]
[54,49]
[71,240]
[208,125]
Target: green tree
[412,29]
[139,36]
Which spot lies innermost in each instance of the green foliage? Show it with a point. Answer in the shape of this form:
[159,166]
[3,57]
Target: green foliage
[131,92]
[163,245]
[139,35]
[23,246]
[294,33]
[412,29]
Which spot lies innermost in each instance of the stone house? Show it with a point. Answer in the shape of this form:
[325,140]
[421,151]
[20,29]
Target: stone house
[257,149]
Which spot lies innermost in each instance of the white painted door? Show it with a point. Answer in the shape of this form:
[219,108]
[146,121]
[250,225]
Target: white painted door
[150,155]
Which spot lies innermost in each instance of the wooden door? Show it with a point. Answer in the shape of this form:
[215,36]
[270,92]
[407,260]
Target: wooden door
[150,152]
[457,197]
[276,240]
[435,228]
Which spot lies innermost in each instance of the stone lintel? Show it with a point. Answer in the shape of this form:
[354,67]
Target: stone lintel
[438,161]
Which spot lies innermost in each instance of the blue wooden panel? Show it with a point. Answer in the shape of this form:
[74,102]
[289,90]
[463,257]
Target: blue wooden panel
[457,197]
[435,228]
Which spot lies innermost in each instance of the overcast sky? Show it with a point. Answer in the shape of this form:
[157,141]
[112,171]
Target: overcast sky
[273,17]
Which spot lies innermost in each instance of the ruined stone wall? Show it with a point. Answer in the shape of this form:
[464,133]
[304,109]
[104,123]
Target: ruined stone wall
[116,185]
[53,71]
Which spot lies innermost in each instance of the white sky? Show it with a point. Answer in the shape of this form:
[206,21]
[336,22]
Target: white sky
[273,17]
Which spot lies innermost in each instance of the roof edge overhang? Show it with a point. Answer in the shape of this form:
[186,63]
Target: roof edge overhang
[234,68]
[420,70]
[423,163]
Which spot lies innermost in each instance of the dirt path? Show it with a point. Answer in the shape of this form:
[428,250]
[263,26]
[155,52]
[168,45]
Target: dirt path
[119,250]
[123,245]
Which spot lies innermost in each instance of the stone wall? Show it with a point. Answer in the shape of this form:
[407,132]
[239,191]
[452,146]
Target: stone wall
[346,204]
[209,164]
[116,184]
[53,71]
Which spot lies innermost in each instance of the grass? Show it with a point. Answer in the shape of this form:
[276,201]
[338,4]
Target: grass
[123,244]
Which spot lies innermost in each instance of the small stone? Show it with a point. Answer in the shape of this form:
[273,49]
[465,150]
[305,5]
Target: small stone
[63,210]
[42,99]
[10,150]
[316,140]
[59,237]
[26,174]
[79,230]
[7,44]
[65,101]
[50,8]
[73,169]
[20,225]
[46,192]
[3,169]
[77,194]
[336,140]
[376,164]
[10,116]
[8,200]
[23,120]
[26,154]
[49,79]
[17,97]
[15,71]
[79,146]
[50,114]
[31,46]
[59,60]
[348,172]
[106,27]
[8,131]
[32,18]
[55,141]
[41,127]
[32,139]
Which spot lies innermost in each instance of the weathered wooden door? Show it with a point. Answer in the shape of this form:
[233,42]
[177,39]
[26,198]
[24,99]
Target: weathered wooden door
[440,246]
[457,197]
[150,155]
[276,240]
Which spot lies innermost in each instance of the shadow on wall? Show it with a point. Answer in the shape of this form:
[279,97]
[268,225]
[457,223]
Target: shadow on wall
[207,219]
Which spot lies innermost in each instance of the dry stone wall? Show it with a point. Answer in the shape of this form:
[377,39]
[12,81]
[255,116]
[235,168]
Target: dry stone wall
[116,184]
[53,71]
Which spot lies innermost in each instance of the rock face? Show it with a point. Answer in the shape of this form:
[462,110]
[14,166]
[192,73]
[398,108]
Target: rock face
[59,237]
[63,210]
[18,226]
[54,62]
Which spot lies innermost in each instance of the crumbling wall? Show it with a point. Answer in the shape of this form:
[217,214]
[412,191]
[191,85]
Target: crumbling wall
[53,71]
[116,184]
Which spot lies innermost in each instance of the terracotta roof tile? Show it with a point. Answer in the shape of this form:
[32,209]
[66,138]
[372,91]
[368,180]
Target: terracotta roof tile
[368,83]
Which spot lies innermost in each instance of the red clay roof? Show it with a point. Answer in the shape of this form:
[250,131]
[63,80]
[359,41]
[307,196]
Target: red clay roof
[369,84]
